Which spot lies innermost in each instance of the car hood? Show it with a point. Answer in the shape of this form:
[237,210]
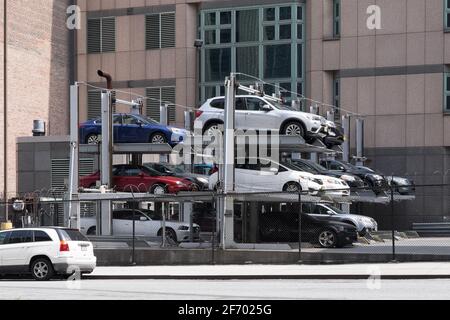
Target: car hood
[310,116]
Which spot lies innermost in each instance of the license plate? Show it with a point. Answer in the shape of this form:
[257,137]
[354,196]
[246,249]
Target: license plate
[84,248]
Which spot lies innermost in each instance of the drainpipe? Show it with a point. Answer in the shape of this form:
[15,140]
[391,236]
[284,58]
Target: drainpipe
[108,78]
[5,107]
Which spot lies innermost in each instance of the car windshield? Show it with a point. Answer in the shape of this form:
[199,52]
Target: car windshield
[298,166]
[316,166]
[153,172]
[145,119]
[338,211]
[294,167]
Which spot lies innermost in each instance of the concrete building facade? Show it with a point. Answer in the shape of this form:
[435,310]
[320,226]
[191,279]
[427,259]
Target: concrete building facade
[38,64]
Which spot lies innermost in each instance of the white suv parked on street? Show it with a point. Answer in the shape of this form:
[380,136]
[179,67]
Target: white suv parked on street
[45,252]
[254,112]
[261,175]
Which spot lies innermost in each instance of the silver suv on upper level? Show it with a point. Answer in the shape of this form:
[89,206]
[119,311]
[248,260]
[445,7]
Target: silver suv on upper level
[254,112]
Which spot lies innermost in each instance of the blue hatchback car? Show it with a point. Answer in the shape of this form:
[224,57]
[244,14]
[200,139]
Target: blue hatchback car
[132,128]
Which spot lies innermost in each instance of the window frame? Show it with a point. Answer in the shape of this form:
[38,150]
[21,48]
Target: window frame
[337,97]
[446,16]
[446,92]
[337,18]
[297,42]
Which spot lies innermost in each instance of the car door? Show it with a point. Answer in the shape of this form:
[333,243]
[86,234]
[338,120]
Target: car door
[256,118]
[15,251]
[130,131]
[3,240]
[122,223]
[145,226]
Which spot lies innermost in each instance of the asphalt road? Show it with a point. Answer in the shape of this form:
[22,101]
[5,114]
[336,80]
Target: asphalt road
[222,290]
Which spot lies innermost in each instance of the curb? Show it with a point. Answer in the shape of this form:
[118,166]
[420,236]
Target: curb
[265,277]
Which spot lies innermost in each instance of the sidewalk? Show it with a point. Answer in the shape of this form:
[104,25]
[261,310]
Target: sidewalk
[223,272]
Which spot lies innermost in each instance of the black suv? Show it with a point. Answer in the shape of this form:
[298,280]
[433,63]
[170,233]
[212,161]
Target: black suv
[352,180]
[283,226]
[374,180]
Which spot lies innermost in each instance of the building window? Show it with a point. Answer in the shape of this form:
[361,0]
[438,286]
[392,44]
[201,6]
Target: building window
[266,42]
[158,96]
[447,92]
[447,14]
[160,31]
[101,35]
[94,104]
[336,18]
[337,97]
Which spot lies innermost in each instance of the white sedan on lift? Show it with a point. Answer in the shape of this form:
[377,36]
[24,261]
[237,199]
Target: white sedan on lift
[264,175]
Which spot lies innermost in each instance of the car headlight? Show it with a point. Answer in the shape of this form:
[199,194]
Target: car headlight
[341,228]
[348,178]
[177,131]
[183,228]
[179,183]
[318,181]
[203,180]
[377,177]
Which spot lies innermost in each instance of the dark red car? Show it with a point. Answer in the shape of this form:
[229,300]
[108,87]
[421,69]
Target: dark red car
[131,178]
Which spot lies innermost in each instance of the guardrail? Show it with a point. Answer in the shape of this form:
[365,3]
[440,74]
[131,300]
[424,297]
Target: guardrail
[432,229]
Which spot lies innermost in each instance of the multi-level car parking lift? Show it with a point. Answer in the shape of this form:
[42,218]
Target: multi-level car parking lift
[288,146]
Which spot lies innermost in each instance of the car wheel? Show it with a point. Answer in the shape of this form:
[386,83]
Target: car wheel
[292,187]
[42,269]
[195,187]
[159,189]
[293,128]
[170,234]
[92,231]
[158,138]
[327,239]
[93,139]
[211,129]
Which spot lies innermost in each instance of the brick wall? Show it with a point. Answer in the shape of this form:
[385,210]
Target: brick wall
[38,73]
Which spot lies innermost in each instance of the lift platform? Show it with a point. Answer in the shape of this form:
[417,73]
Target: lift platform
[128,148]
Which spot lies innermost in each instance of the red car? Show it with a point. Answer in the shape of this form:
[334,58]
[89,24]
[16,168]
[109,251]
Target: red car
[128,178]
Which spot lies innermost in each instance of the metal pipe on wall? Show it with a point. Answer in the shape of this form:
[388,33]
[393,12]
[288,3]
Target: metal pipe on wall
[360,141]
[346,144]
[5,106]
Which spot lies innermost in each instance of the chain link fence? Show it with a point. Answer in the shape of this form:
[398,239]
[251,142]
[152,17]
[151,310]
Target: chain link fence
[396,223]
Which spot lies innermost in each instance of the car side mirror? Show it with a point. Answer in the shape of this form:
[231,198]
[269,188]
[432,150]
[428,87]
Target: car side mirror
[143,219]
[266,108]
[330,212]
[140,123]
[274,170]
[141,175]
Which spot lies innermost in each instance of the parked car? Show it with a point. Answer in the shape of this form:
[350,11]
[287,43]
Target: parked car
[352,180]
[140,179]
[260,175]
[199,182]
[254,112]
[144,226]
[45,252]
[284,226]
[132,128]
[205,169]
[327,212]
[374,180]
[334,134]
[401,185]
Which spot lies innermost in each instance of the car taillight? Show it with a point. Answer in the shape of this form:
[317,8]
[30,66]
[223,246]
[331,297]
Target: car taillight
[63,246]
[198,113]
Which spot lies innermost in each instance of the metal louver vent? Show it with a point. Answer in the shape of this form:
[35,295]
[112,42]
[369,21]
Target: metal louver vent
[59,178]
[152,31]
[168,30]
[95,104]
[108,35]
[93,36]
[101,35]
[168,95]
[153,104]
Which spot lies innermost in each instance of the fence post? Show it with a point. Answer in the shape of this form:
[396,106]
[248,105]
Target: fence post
[393,223]
[213,240]
[300,224]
